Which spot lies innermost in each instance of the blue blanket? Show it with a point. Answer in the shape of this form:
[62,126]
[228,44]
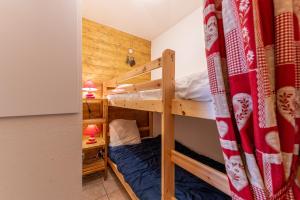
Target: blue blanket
[141,167]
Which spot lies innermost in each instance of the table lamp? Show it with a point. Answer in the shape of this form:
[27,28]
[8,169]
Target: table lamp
[90,87]
[91,131]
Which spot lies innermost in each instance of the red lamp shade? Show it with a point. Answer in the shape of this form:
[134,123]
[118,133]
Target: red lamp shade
[91,131]
[90,87]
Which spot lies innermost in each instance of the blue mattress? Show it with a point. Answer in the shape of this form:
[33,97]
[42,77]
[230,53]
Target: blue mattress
[141,167]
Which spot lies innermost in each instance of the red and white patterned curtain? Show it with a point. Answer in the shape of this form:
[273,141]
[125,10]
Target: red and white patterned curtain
[253,56]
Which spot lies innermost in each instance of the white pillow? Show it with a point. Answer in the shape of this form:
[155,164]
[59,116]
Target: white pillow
[123,132]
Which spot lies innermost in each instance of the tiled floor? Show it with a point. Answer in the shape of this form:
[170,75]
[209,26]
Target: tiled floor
[95,188]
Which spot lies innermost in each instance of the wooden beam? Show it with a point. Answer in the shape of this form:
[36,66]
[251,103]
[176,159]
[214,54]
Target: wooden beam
[208,174]
[91,101]
[149,85]
[151,124]
[122,180]
[93,167]
[135,72]
[94,121]
[144,128]
[105,134]
[146,105]
[104,90]
[193,108]
[182,107]
[168,141]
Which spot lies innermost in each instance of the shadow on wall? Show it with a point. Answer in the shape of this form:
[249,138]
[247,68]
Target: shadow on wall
[200,135]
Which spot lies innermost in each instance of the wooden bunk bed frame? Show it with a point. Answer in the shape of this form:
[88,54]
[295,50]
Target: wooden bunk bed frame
[168,106]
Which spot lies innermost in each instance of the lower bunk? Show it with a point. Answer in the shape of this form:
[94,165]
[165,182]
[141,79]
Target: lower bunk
[139,169]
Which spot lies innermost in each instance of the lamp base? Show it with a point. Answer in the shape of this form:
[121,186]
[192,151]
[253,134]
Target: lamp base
[91,140]
[90,96]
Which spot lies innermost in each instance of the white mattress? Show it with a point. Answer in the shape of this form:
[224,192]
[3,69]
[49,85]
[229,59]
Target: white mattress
[193,87]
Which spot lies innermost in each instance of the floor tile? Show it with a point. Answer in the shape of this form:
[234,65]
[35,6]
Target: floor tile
[111,174]
[111,185]
[92,179]
[95,188]
[92,187]
[93,192]
[103,198]
[118,195]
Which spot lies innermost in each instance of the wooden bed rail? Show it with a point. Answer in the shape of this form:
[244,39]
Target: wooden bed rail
[144,128]
[149,85]
[134,73]
[210,175]
[122,180]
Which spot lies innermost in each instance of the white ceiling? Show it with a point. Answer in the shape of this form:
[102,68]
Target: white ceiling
[143,18]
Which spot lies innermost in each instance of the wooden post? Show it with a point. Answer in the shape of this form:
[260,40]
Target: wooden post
[105,126]
[168,140]
[151,124]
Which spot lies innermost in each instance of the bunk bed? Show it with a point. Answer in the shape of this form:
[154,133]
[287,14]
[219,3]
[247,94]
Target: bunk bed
[169,106]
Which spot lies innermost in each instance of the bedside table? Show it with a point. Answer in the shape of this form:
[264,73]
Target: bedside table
[95,155]
[91,161]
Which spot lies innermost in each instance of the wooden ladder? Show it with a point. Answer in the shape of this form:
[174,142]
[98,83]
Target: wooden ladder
[170,156]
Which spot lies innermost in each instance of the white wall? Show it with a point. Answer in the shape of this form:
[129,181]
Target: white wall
[40,42]
[187,39]
[40,155]
[40,158]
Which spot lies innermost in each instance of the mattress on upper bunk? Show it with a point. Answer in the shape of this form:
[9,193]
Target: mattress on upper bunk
[192,87]
[140,165]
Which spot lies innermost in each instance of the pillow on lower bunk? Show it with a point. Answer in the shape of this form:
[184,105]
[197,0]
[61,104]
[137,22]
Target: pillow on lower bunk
[124,132]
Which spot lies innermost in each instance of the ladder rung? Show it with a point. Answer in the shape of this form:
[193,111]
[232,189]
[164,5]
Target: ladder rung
[204,172]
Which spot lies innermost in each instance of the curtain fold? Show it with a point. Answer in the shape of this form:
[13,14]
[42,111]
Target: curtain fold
[253,58]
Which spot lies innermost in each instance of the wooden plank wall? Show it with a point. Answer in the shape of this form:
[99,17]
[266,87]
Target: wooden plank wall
[104,52]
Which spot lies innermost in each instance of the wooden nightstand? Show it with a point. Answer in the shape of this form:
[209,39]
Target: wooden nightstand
[95,155]
[93,159]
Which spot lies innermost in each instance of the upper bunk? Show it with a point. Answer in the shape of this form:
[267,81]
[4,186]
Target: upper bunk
[128,96]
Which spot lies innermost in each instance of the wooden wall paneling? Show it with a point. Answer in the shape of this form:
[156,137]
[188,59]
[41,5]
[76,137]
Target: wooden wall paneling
[104,52]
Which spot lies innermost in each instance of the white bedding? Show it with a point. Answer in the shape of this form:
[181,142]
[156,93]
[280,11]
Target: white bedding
[192,87]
